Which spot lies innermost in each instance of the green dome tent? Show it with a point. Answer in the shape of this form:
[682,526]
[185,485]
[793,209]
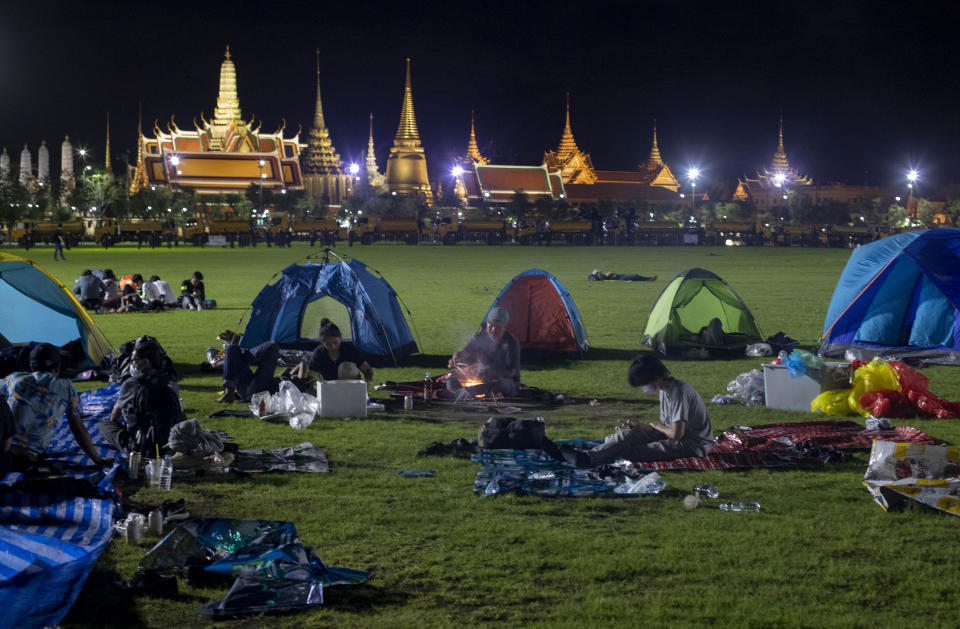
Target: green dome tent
[697,309]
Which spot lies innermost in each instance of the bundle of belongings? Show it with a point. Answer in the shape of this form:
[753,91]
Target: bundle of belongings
[274,571]
[200,451]
[886,389]
[910,474]
[517,457]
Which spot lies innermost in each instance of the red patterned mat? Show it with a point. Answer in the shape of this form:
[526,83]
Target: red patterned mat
[772,445]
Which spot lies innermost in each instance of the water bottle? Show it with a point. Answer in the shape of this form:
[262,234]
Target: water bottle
[747,507]
[493,487]
[707,491]
[166,473]
[426,386]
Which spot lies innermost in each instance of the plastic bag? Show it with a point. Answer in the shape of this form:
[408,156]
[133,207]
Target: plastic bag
[289,401]
[886,403]
[759,349]
[748,387]
[931,405]
[877,375]
[835,402]
[800,361]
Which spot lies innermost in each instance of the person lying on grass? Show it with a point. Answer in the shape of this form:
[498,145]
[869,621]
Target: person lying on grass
[598,276]
[683,429]
[333,359]
[490,362]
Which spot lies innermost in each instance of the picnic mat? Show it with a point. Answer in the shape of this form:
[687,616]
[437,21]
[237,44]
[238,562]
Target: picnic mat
[53,529]
[788,445]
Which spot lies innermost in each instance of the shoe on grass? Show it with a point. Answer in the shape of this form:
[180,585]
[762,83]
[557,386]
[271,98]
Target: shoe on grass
[229,394]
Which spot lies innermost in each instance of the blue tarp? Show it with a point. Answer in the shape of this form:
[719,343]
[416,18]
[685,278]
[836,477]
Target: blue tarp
[899,296]
[50,541]
[378,327]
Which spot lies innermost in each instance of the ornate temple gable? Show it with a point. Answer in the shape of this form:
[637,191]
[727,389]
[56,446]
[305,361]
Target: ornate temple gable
[407,164]
[779,170]
[574,165]
[742,193]
[657,169]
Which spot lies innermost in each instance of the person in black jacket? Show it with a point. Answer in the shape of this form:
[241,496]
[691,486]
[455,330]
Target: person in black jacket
[192,292]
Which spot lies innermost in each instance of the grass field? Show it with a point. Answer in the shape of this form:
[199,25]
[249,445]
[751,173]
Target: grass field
[820,554]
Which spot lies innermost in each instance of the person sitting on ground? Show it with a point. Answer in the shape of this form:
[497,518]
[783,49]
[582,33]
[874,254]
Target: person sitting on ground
[16,357]
[683,429]
[598,276]
[89,290]
[6,436]
[334,358]
[146,402]
[240,381]
[151,295]
[492,356]
[192,292]
[111,289]
[38,399]
[130,296]
[167,297]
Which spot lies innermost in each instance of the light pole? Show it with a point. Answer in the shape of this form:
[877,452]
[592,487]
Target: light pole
[263,176]
[692,174]
[912,176]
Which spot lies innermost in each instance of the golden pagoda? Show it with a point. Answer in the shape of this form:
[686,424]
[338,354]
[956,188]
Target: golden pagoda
[106,153]
[774,179]
[473,151]
[374,178]
[574,165]
[138,179]
[223,155]
[660,173]
[407,164]
[323,176]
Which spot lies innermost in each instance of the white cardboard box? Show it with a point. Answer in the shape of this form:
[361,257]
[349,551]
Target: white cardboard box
[795,394]
[342,398]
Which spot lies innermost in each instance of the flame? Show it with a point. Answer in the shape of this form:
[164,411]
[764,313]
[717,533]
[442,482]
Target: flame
[471,382]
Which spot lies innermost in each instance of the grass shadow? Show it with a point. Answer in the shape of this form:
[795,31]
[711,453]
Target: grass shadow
[363,598]
[609,353]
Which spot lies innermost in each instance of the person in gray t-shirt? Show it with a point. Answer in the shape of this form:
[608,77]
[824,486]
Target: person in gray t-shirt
[683,430]
[89,290]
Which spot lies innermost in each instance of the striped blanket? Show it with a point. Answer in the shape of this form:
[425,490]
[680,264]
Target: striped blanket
[52,530]
[772,445]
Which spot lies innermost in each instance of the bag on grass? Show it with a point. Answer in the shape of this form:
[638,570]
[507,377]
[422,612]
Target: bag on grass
[835,402]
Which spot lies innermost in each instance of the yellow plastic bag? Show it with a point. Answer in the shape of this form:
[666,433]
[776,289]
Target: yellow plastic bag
[876,375]
[835,402]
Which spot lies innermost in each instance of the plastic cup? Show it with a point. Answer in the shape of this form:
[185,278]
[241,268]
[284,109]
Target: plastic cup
[691,501]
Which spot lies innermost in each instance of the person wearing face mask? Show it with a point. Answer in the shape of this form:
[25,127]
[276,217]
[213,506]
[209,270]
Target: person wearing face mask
[492,356]
[146,404]
[683,429]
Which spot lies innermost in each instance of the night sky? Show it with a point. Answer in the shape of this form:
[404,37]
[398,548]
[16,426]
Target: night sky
[866,90]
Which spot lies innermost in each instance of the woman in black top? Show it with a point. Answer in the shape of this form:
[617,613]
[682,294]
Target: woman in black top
[193,292]
[331,355]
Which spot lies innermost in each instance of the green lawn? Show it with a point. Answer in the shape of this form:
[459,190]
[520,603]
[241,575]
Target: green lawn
[820,554]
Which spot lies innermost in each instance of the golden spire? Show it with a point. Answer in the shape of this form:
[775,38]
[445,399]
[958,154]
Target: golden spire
[106,156]
[139,179]
[780,162]
[407,133]
[228,103]
[318,115]
[473,151]
[568,146]
[655,159]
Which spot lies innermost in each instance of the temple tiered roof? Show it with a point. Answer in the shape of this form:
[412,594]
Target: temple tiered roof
[320,157]
[407,164]
[574,165]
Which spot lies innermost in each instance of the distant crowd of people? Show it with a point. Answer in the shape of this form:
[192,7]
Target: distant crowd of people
[102,291]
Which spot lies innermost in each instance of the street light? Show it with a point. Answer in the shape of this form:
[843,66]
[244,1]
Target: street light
[263,176]
[692,174]
[912,176]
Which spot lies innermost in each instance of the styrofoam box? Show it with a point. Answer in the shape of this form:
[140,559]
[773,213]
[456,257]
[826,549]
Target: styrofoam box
[795,394]
[342,398]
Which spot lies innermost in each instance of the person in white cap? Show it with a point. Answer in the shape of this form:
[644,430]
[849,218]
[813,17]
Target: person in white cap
[492,356]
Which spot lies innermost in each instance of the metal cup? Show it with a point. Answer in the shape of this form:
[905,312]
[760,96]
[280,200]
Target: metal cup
[155,523]
[133,471]
[408,402]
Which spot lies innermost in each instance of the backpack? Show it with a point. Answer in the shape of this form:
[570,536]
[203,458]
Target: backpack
[510,433]
[156,409]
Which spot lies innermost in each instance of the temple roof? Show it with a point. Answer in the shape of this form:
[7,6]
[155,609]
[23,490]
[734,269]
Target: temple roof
[574,165]
[473,151]
[498,183]
[407,133]
[619,191]
[320,158]
[779,174]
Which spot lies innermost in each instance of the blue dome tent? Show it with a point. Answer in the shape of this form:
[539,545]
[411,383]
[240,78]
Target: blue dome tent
[899,297]
[288,310]
[543,316]
[34,306]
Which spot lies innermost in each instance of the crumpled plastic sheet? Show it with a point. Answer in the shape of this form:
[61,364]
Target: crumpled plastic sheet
[275,571]
[748,387]
[304,457]
[297,407]
[902,474]
[191,438]
[799,362]
[759,350]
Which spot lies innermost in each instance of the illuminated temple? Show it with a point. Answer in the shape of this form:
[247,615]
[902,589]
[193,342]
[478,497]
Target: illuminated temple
[407,164]
[323,175]
[223,155]
[574,165]
[766,188]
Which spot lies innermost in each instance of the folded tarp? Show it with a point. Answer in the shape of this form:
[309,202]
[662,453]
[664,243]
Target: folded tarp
[50,537]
